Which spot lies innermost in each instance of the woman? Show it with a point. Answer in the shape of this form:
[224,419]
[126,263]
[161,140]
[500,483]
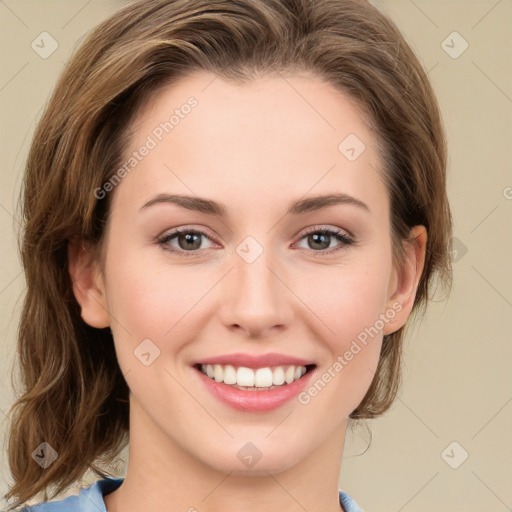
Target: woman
[231,211]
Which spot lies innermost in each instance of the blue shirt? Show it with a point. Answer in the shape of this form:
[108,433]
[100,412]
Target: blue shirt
[90,499]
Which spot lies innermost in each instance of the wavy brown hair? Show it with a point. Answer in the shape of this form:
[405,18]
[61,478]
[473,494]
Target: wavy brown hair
[74,396]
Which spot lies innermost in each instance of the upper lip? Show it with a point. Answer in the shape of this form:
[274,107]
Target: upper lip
[255,361]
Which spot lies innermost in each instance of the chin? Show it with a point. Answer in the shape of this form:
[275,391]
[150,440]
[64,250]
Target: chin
[249,461]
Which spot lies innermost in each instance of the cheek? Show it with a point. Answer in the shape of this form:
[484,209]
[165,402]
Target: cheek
[151,297]
[148,302]
[347,300]
[351,302]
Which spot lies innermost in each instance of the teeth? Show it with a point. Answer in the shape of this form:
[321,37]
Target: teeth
[289,375]
[244,376]
[229,374]
[218,374]
[266,377]
[278,376]
[263,378]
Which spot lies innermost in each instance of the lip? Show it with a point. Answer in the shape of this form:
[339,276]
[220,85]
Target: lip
[254,401]
[255,361]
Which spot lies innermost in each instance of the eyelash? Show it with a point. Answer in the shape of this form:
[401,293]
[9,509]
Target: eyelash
[337,234]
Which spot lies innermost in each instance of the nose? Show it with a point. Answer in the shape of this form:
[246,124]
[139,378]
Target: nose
[258,299]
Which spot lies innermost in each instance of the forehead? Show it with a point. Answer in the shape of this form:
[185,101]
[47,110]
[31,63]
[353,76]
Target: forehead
[257,141]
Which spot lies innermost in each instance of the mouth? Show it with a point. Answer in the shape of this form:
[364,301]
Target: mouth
[255,379]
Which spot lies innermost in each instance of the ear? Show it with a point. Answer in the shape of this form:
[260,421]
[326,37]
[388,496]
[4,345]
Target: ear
[405,280]
[88,286]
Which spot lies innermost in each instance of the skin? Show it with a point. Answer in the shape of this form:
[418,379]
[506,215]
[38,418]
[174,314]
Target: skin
[255,147]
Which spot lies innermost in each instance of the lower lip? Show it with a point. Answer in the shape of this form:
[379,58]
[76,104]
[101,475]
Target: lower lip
[254,401]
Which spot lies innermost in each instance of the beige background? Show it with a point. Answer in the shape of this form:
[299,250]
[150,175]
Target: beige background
[457,383]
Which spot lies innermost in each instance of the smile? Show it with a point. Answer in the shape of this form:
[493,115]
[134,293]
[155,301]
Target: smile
[254,389]
[254,379]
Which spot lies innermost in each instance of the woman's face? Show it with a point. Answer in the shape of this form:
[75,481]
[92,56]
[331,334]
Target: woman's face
[262,277]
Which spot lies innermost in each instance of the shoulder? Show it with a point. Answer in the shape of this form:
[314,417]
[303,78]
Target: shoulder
[89,499]
[348,503]
[69,504]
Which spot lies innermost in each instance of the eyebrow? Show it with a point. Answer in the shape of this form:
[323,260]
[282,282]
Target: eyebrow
[210,207]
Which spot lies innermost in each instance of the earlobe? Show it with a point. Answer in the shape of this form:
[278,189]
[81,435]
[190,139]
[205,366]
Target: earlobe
[88,286]
[406,279]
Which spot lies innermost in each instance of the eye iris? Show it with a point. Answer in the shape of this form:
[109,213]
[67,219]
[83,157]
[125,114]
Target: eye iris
[190,240]
[316,236]
[189,237]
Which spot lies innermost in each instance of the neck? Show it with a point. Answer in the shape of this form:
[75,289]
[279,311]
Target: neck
[162,475]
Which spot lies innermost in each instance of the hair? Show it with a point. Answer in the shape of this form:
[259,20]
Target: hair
[74,395]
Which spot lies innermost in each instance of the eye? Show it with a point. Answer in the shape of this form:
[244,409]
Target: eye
[188,240]
[319,239]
